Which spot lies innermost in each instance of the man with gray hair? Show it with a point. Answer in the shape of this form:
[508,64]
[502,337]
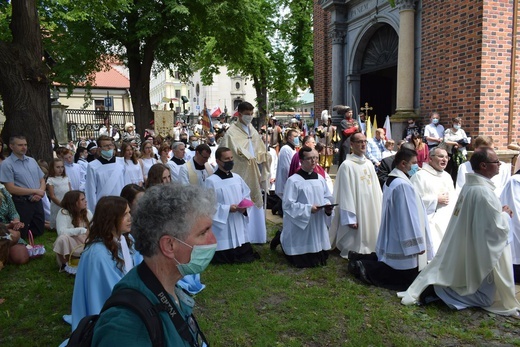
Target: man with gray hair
[172,230]
[177,160]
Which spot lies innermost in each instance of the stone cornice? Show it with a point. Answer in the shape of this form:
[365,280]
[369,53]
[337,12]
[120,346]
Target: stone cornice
[403,5]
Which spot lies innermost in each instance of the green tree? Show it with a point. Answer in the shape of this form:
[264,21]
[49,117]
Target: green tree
[278,50]
[145,35]
[24,85]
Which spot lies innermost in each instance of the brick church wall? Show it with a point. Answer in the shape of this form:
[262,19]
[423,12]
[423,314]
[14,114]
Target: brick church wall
[322,60]
[497,38]
[466,49]
[465,64]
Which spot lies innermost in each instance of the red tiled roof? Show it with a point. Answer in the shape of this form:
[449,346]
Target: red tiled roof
[111,79]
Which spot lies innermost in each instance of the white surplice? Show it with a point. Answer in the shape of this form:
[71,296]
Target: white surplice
[103,180]
[230,228]
[358,193]
[303,231]
[174,169]
[76,176]
[429,183]
[404,231]
[475,245]
[282,171]
[252,163]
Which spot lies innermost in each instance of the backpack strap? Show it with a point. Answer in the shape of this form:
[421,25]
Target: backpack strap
[143,307]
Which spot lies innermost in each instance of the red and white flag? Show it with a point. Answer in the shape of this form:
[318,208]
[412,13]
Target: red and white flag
[215,111]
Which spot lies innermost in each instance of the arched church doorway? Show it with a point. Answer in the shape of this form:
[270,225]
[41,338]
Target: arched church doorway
[378,73]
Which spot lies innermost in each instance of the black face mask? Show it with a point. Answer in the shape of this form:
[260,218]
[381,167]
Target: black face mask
[185,141]
[228,165]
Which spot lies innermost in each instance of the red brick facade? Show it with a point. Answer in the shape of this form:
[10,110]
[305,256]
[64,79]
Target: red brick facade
[322,60]
[466,58]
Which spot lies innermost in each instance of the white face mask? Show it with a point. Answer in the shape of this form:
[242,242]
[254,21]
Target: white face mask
[247,118]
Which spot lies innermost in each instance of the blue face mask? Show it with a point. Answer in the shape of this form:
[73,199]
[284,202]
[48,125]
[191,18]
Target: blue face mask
[296,141]
[201,256]
[107,153]
[413,170]
[435,121]
[456,126]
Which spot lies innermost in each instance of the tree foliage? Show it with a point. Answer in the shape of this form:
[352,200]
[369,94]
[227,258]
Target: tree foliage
[145,35]
[249,36]
[278,50]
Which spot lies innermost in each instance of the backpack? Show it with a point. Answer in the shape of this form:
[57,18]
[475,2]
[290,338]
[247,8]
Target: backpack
[129,298]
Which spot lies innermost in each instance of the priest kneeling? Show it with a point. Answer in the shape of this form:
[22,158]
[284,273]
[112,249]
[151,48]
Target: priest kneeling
[230,222]
[473,266]
[307,213]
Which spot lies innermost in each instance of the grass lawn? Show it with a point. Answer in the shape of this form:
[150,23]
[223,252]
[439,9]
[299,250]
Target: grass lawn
[266,303]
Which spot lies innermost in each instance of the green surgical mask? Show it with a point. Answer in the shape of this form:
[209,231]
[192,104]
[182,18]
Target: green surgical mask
[201,256]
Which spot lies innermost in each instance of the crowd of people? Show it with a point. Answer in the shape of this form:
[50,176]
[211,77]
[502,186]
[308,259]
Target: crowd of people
[150,215]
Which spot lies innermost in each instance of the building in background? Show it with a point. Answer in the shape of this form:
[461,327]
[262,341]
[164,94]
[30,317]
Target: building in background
[226,92]
[110,92]
[167,92]
[458,58]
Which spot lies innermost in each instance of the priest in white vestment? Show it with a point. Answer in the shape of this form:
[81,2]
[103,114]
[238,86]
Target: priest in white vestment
[499,180]
[358,194]
[404,244]
[473,266]
[230,221]
[435,187]
[252,163]
[105,175]
[197,169]
[304,238]
[511,197]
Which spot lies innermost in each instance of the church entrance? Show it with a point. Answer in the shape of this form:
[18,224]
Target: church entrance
[378,72]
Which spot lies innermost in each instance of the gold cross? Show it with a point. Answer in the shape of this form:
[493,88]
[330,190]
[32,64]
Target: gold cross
[366,109]
[366,177]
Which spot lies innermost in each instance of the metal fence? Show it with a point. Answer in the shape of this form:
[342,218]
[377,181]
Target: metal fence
[86,123]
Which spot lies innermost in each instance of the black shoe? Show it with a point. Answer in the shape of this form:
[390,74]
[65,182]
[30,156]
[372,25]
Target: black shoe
[354,256]
[428,296]
[363,273]
[276,240]
[352,268]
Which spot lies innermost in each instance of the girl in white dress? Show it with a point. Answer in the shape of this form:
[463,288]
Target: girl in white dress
[57,185]
[147,157]
[72,225]
[133,165]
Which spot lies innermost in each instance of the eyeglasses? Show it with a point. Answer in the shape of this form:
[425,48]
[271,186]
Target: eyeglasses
[493,162]
[311,158]
[360,141]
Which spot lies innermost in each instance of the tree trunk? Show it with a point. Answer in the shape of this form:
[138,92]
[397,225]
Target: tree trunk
[140,79]
[23,82]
